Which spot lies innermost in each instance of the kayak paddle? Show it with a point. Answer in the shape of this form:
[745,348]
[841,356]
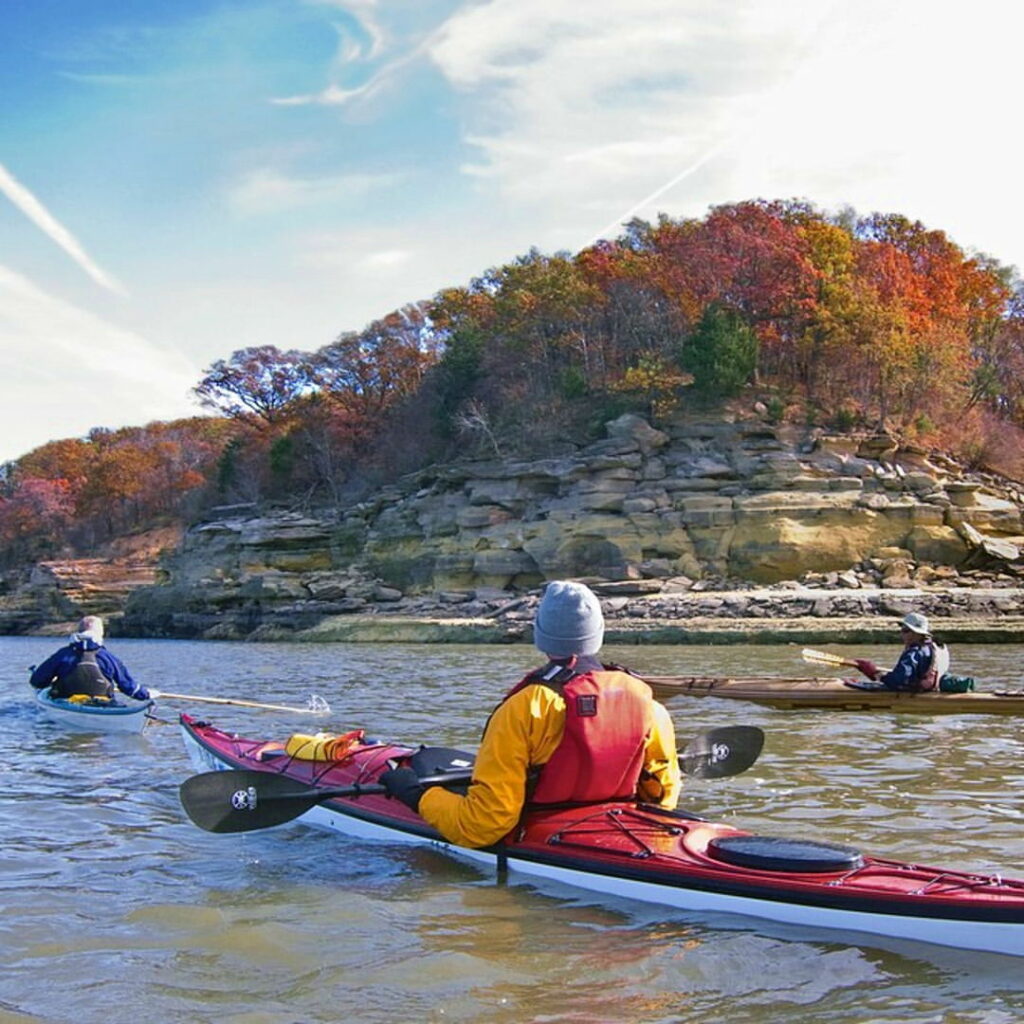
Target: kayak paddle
[823,658]
[717,753]
[240,800]
[317,705]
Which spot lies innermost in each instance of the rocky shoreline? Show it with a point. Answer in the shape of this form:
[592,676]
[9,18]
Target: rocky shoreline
[782,614]
[641,612]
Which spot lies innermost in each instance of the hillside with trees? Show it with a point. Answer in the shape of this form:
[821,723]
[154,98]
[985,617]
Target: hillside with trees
[845,321]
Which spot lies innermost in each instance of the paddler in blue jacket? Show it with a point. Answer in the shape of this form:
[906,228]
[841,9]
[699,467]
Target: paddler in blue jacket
[86,668]
[574,731]
[922,663]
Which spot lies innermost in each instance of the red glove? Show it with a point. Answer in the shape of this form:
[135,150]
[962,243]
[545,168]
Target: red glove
[869,668]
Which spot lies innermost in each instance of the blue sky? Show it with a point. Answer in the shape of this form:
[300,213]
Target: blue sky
[182,178]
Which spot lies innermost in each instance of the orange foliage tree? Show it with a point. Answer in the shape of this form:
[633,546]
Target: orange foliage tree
[873,319]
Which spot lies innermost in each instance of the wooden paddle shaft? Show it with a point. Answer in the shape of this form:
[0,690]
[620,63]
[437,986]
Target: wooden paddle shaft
[231,700]
[823,658]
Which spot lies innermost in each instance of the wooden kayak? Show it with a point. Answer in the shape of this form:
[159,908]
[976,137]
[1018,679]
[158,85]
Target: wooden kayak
[834,694]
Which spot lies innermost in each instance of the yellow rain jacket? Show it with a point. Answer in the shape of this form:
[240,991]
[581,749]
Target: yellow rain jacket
[522,734]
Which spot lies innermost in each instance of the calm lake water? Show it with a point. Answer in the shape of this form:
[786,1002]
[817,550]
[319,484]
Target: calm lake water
[116,908]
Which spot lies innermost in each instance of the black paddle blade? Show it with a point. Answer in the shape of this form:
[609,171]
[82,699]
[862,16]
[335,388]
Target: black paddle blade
[729,750]
[237,800]
[241,801]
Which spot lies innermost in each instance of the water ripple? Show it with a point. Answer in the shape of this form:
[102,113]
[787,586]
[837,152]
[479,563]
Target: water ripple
[128,911]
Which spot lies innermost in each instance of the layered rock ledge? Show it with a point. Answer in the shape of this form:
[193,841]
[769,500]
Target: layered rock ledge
[721,527]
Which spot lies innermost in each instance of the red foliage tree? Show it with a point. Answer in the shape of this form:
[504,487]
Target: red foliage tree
[263,381]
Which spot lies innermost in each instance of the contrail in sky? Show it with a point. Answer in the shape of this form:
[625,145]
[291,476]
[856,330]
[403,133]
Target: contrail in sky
[616,224]
[23,199]
[815,28]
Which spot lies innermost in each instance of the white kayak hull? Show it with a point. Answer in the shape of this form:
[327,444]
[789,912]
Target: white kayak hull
[130,716]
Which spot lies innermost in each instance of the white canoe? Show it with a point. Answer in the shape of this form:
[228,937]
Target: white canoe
[112,716]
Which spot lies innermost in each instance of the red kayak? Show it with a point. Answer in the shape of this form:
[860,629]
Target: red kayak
[672,859]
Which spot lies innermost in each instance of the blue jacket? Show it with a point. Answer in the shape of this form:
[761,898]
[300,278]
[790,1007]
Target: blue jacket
[910,669]
[59,664]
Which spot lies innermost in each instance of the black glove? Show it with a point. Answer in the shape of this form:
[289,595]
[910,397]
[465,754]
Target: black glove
[403,784]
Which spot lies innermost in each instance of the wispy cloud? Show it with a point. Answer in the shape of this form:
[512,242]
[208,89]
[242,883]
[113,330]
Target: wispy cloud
[360,41]
[609,108]
[54,349]
[364,13]
[331,96]
[266,190]
[372,44]
[387,258]
[29,205]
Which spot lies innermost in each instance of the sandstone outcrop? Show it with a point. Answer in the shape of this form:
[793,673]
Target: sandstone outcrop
[699,505]
[51,596]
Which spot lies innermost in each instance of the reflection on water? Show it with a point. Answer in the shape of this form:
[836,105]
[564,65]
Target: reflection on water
[116,907]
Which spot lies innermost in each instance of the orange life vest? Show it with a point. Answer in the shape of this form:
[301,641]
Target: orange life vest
[609,715]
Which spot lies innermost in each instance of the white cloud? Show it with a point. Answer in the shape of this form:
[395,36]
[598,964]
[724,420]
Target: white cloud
[607,103]
[359,257]
[29,205]
[331,96]
[602,111]
[75,372]
[386,258]
[266,190]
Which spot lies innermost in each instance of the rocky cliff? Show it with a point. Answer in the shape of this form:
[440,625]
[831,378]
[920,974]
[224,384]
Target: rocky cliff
[52,595]
[674,515]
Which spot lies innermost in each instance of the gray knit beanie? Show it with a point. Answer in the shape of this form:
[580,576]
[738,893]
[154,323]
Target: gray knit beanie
[568,621]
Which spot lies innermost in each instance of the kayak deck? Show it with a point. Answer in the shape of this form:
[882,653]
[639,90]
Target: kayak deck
[803,694]
[673,859]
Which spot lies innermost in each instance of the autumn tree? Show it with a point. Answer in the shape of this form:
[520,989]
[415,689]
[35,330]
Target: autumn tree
[520,345]
[368,371]
[75,493]
[749,257]
[261,381]
[34,517]
[636,316]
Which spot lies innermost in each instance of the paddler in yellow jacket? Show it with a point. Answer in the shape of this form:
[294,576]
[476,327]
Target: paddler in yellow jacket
[574,731]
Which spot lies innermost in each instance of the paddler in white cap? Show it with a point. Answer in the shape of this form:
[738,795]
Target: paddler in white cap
[922,663]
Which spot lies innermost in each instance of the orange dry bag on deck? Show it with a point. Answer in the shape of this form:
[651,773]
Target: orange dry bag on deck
[323,746]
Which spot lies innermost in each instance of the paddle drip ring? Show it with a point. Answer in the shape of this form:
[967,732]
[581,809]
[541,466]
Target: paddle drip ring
[244,799]
[318,705]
